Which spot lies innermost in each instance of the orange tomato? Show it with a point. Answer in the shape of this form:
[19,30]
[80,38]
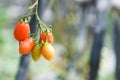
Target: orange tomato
[36,54]
[48,51]
[26,46]
[46,37]
[21,31]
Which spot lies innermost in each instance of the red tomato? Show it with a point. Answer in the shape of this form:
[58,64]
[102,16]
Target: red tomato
[21,31]
[43,37]
[46,37]
[48,51]
[26,46]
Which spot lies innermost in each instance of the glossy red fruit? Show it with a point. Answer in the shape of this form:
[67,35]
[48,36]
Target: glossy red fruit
[46,37]
[43,37]
[26,46]
[21,31]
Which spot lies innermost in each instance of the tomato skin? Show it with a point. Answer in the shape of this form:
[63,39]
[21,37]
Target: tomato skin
[36,54]
[26,46]
[21,31]
[46,37]
[48,51]
[43,37]
[50,37]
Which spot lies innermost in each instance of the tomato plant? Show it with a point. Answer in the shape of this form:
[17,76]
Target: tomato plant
[21,31]
[46,37]
[29,41]
[26,46]
[48,51]
[36,52]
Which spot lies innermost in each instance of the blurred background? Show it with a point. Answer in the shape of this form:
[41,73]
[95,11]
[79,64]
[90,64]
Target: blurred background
[87,40]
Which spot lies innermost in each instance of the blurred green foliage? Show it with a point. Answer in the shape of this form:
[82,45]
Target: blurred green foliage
[3,17]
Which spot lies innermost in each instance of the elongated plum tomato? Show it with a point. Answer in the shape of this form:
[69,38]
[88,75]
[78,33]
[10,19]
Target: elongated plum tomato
[26,46]
[21,31]
[46,37]
[36,54]
[50,37]
[48,51]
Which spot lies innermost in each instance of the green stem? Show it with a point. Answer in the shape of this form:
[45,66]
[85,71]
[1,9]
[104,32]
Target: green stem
[41,25]
[26,15]
[37,17]
[33,6]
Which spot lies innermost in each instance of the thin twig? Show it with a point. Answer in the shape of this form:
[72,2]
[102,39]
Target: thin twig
[33,6]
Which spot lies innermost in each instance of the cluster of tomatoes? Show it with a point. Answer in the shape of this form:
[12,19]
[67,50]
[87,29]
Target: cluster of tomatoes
[28,43]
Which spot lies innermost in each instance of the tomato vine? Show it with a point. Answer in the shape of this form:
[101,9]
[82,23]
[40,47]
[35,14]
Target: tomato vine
[27,41]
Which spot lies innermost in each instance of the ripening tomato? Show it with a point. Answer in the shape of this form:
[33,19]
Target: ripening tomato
[50,37]
[36,52]
[21,31]
[43,37]
[26,46]
[46,37]
[48,51]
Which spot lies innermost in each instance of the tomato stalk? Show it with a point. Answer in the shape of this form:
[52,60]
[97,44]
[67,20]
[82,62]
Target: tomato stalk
[26,16]
[37,17]
[41,25]
[33,5]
